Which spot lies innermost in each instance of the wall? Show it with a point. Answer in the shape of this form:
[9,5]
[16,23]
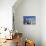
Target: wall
[38,31]
[28,8]
[43,22]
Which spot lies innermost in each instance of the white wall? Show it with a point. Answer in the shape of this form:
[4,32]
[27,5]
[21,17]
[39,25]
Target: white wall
[43,22]
[6,13]
[31,8]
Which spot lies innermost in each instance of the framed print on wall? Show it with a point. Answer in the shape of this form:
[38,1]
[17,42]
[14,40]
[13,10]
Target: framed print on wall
[29,20]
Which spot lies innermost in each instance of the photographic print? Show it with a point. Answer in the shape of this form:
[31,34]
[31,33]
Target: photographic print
[29,20]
